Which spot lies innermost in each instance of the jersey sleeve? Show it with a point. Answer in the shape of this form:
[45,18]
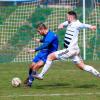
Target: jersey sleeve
[65,23]
[82,25]
[49,38]
[43,46]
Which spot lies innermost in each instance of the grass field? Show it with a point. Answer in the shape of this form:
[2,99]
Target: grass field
[62,82]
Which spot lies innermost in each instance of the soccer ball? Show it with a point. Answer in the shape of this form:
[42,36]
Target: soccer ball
[16,82]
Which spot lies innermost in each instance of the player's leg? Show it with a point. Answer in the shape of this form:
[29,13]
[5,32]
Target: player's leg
[35,68]
[88,68]
[61,54]
[38,65]
[47,65]
[31,67]
[34,61]
[29,72]
[80,64]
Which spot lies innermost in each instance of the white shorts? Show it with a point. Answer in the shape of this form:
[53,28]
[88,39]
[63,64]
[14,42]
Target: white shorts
[73,54]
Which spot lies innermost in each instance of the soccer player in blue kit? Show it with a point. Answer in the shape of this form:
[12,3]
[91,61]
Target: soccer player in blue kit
[49,45]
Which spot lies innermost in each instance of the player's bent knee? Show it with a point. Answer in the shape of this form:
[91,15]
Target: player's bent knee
[51,56]
[38,65]
[31,65]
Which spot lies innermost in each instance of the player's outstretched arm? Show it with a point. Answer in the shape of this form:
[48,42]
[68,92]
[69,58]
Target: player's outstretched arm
[60,26]
[93,27]
[29,50]
[82,26]
[36,40]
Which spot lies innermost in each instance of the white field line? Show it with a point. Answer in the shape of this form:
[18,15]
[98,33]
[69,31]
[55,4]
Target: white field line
[58,94]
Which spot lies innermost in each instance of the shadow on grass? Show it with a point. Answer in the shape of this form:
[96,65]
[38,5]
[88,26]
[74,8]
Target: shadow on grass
[55,85]
[86,86]
[65,85]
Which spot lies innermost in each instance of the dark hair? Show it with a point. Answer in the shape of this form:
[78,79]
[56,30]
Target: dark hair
[41,26]
[73,13]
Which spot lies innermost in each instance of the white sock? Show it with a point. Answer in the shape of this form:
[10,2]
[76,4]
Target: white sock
[46,67]
[91,70]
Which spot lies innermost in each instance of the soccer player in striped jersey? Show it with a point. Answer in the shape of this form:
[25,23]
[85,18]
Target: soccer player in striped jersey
[71,49]
[49,45]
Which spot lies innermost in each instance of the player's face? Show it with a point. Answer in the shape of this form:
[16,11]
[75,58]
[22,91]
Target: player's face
[70,18]
[40,31]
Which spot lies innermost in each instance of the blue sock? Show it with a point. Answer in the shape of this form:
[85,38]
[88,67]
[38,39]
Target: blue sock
[30,71]
[33,72]
[31,78]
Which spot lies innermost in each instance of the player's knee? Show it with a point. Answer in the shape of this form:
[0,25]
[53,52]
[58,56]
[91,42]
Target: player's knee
[38,65]
[80,65]
[31,66]
[51,56]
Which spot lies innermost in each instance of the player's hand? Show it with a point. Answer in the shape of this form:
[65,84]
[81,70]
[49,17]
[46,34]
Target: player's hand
[93,27]
[60,26]
[29,50]
[36,40]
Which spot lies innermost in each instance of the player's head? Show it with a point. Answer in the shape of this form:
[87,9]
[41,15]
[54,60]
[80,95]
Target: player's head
[71,15]
[42,29]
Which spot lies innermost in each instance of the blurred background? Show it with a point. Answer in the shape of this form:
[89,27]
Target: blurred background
[18,19]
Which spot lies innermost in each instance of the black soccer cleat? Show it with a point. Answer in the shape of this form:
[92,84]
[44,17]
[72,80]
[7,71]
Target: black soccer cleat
[26,81]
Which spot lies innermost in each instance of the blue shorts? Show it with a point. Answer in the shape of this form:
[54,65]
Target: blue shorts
[40,56]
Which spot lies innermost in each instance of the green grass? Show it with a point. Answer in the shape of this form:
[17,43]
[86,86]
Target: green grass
[62,82]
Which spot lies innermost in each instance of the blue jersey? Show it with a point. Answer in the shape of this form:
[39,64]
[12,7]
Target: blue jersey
[50,42]
[49,45]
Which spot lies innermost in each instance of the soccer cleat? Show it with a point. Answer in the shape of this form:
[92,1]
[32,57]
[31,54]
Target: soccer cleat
[37,76]
[98,75]
[28,85]
[26,81]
